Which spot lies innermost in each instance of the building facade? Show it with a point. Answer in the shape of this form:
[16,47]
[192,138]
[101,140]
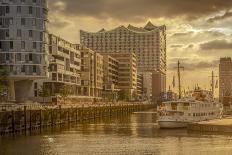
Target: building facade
[87,71]
[147,85]
[159,83]
[127,72]
[91,72]
[148,43]
[98,75]
[140,89]
[23,44]
[225,78]
[110,76]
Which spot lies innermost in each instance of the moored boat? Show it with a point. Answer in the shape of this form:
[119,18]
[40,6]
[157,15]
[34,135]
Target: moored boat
[199,106]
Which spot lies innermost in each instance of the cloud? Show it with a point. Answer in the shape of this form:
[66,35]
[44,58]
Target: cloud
[198,34]
[216,45]
[220,17]
[138,9]
[191,65]
[183,34]
[176,46]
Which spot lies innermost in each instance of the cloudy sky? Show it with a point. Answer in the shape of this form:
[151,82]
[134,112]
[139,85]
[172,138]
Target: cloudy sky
[199,32]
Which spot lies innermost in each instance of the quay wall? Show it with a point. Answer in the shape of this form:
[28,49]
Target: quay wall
[219,125]
[26,119]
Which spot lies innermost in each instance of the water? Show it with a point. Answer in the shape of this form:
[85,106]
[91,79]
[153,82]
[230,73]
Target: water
[130,135]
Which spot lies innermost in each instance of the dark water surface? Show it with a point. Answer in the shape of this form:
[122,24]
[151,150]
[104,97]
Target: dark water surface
[133,135]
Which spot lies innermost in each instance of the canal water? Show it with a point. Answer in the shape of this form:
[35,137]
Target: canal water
[130,135]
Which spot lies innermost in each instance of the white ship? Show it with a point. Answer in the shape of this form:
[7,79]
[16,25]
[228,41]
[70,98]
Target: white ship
[199,106]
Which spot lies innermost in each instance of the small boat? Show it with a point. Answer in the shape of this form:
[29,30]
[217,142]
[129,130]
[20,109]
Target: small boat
[198,106]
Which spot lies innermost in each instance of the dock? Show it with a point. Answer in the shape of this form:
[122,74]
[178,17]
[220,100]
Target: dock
[26,119]
[223,125]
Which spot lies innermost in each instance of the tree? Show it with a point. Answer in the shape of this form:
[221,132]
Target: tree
[4,83]
[44,92]
[65,91]
[123,95]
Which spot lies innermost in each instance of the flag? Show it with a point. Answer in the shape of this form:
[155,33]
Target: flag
[173,82]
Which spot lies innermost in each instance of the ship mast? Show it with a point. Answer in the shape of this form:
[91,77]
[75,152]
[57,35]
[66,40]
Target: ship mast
[179,78]
[212,82]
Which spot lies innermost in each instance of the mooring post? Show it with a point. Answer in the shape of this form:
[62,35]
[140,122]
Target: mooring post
[30,121]
[25,119]
[60,112]
[40,120]
[76,113]
[13,121]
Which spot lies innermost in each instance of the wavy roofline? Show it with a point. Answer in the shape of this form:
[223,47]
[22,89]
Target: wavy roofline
[156,28]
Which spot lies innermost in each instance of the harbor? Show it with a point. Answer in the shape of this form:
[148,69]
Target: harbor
[23,119]
[136,133]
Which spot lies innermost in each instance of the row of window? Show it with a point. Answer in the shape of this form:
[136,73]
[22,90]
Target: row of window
[20,57]
[7,45]
[201,114]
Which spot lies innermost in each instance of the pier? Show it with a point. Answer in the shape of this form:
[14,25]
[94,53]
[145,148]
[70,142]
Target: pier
[23,119]
[223,125]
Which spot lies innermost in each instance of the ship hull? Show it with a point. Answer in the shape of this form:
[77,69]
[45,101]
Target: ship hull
[172,124]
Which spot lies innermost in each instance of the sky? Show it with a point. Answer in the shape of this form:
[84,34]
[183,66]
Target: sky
[199,32]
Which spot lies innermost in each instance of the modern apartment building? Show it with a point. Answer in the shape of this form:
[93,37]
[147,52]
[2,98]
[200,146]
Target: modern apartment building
[91,72]
[110,76]
[23,44]
[148,43]
[127,72]
[225,78]
[64,67]
[87,71]
[98,74]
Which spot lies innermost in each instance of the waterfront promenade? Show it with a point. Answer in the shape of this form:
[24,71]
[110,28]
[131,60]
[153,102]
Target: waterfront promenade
[23,118]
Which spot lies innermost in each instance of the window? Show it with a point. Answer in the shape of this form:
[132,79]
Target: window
[34,45]
[30,33]
[18,9]
[18,56]
[7,9]
[19,33]
[7,33]
[7,56]
[34,69]
[35,93]
[11,45]
[23,69]
[35,85]
[30,57]
[30,10]
[23,21]
[23,44]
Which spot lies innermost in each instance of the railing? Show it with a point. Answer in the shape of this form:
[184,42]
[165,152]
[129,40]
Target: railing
[18,107]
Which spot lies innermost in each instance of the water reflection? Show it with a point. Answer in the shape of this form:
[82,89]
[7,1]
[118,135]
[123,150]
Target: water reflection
[135,134]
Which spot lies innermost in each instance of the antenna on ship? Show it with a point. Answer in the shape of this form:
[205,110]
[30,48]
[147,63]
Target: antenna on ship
[179,78]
